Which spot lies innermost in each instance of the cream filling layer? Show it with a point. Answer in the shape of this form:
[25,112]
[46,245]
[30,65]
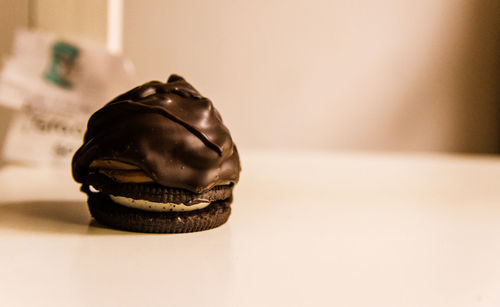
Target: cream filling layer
[154,206]
[125,172]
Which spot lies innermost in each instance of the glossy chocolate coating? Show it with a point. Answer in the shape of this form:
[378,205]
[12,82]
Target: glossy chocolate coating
[169,130]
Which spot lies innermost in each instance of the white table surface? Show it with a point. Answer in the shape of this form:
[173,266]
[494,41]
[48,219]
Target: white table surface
[307,229]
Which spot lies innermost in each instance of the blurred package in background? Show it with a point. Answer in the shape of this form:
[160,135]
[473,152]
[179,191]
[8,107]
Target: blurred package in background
[54,85]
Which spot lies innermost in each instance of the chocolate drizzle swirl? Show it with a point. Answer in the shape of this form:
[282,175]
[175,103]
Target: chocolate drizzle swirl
[169,130]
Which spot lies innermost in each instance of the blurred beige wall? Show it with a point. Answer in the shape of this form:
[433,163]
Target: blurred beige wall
[69,18]
[366,75]
[13,14]
[385,75]
[82,19]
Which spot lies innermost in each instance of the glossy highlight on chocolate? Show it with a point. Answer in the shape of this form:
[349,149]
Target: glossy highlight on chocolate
[168,130]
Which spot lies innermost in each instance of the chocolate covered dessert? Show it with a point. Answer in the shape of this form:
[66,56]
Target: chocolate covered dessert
[158,159]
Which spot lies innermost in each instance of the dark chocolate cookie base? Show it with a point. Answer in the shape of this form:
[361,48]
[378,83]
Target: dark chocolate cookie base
[106,212]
